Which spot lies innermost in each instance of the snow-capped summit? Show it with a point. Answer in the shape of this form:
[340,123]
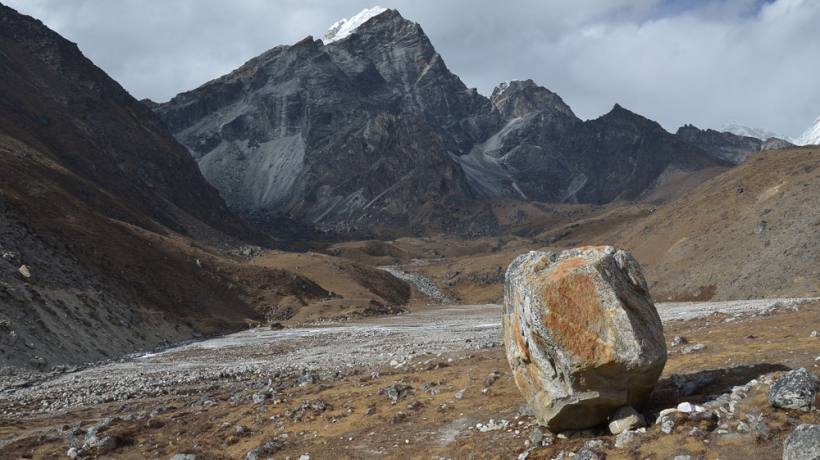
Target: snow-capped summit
[741,130]
[344,27]
[810,136]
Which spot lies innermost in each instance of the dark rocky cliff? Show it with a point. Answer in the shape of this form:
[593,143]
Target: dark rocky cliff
[373,131]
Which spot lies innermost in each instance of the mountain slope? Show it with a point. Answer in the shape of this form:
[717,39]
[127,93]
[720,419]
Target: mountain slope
[811,136]
[726,146]
[753,231]
[345,137]
[371,133]
[104,217]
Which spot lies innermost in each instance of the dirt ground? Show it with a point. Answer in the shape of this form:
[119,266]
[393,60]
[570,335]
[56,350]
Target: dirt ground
[440,399]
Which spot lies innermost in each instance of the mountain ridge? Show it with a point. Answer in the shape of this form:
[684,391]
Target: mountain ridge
[311,106]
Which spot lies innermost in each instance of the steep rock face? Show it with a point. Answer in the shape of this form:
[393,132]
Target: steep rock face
[56,100]
[96,200]
[519,160]
[581,334]
[347,135]
[727,146]
[372,131]
[619,156]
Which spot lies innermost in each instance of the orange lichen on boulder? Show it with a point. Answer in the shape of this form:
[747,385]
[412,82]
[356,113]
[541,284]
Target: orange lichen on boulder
[582,335]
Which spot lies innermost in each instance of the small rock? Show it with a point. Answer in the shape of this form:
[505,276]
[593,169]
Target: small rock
[491,379]
[24,271]
[795,390]
[258,398]
[105,445]
[536,436]
[183,457]
[693,348]
[625,439]
[625,418]
[307,378]
[678,340]
[492,425]
[72,453]
[588,454]
[813,334]
[397,391]
[803,443]
[270,446]
[459,394]
[688,408]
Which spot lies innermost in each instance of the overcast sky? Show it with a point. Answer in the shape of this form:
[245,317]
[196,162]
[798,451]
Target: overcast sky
[676,61]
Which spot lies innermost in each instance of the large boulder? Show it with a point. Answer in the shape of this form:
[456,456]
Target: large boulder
[803,443]
[795,390]
[582,334]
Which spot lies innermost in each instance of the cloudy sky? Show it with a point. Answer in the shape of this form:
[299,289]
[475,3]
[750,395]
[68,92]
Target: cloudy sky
[706,62]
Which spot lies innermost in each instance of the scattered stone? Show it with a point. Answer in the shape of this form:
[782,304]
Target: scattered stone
[307,378]
[308,408]
[592,450]
[258,398]
[689,415]
[626,439]
[539,438]
[270,446]
[693,348]
[24,271]
[678,340]
[803,443]
[459,394]
[72,453]
[688,408]
[183,457]
[492,425]
[491,379]
[397,391]
[104,445]
[795,390]
[624,419]
[568,316]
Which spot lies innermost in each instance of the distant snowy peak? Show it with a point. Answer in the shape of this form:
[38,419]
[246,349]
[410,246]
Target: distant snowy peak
[741,130]
[344,27]
[811,136]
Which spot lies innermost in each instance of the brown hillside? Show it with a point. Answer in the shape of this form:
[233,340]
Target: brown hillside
[753,231]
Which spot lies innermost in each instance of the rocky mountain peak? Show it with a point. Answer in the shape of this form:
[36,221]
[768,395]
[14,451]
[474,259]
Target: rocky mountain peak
[727,146]
[811,136]
[519,98]
[342,28]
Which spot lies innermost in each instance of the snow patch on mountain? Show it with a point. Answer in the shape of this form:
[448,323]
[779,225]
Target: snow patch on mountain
[811,136]
[344,27]
[741,130]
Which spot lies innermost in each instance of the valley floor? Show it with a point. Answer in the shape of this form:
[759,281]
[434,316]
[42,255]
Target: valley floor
[428,384]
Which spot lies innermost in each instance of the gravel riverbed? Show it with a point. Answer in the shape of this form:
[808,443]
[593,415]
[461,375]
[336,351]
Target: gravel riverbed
[271,358]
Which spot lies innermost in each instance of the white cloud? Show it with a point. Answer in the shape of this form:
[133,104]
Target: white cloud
[704,62]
